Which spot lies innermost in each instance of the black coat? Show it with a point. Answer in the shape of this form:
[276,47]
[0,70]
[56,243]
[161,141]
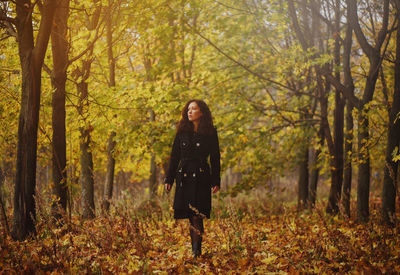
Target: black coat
[191,157]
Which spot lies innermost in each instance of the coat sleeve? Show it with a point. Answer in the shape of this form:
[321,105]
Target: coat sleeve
[173,162]
[215,159]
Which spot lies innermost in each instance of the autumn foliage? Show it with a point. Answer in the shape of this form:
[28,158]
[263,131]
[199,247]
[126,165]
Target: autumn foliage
[239,238]
[305,93]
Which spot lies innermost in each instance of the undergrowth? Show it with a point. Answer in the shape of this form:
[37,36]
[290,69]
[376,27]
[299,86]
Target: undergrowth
[251,234]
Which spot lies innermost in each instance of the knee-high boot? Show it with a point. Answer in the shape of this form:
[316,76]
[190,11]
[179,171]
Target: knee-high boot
[196,247]
[196,232]
[199,246]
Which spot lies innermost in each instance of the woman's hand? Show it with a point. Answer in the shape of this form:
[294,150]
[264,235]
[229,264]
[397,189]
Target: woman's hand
[167,187]
[215,189]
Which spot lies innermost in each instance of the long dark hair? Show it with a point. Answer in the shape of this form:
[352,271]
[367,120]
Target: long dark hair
[206,126]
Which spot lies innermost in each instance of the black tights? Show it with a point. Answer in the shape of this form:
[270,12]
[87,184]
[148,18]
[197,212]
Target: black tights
[196,228]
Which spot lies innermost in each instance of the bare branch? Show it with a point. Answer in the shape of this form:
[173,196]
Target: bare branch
[296,26]
[248,69]
[4,18]
[88,48]
[8,23]
[353,19]
[383,31]
[346,91]
[43,36]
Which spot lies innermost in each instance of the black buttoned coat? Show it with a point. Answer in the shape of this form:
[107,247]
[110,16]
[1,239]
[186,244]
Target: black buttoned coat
[191,157]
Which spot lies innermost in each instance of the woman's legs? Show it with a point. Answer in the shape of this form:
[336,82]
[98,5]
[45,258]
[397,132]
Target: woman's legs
[196,233]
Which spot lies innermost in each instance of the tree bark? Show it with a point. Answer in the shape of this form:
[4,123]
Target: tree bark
[363,167]
[31,57]
[363,184]
[3,208]
[347,177]
[153,168]
[86,159]
[153,176]
[108,186]
[303,178]
[337,169]
[335,143]
[86,179]
[390,183]
[348,82]
[111,58]
[60,62]
[315,169]
[374,55]
[81,75]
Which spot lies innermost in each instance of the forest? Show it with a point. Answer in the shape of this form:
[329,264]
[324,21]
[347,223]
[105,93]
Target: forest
[305,95]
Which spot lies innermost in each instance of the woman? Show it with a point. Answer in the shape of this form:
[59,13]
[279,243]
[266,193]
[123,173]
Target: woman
[195,140]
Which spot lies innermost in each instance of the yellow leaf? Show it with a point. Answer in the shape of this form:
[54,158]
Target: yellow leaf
[269,259]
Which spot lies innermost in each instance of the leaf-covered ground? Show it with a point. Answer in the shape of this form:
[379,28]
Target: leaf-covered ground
[234,242]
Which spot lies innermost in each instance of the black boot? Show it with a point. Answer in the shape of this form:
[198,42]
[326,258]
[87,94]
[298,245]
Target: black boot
[196,248]
[199,247]
[196,231]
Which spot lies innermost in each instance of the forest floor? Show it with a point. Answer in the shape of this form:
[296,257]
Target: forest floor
[236,241]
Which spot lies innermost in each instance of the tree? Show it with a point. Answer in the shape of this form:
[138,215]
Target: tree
[337,171]
[393,139]
[308,34]
[80,75]
[348,147]
[31,53]
[3,210]
[109,183]
[60,46]
[373,52]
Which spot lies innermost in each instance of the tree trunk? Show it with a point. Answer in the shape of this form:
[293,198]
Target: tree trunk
[60,62]
[31,58]
[348,146]
[108,186]
[87,181]
[153,176]
[363,184]
[335,190]
[337,170]
[374,56]
[390,177]
[86,159]
[363,167]
[323,97]
[303,178]
[348,159]
[315,169]
[81,75]
[153,168]
[3,208]
[111,59]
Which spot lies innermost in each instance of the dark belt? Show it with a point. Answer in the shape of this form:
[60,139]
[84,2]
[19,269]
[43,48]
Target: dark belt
[185,161]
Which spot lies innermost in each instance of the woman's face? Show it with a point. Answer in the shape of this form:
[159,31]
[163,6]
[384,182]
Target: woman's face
[194,112]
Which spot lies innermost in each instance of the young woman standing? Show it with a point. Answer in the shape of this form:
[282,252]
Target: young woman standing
[196,140]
